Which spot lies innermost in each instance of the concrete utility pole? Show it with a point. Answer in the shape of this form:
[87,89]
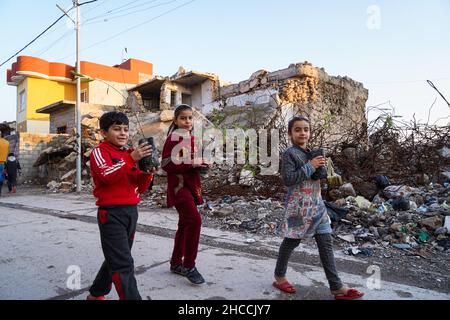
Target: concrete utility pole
[77,5]
[78,105]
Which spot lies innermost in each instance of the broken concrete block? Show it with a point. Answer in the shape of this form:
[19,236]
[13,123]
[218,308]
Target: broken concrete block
[69,176]
[347,190]
[72,157]
[96,114]
[244,86]
[167,115]
[347,237]
[66,186]
[224,212]
[90,123]
[52,185]
[87,154]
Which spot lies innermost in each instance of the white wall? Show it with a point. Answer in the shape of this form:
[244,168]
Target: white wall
[104,93]
[256,97]
[38,126]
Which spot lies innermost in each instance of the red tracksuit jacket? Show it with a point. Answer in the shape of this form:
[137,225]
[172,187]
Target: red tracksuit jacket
[180,175]
[116,176]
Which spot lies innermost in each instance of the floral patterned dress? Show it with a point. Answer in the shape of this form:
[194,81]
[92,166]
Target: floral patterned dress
[305,211]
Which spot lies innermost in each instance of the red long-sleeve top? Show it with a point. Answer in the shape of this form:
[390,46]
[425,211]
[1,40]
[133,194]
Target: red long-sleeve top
[116,176]
[183,174]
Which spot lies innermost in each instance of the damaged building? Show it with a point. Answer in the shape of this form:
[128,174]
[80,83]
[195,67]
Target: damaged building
[335,105]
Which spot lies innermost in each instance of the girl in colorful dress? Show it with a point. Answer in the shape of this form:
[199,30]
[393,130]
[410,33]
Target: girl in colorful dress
[305,213]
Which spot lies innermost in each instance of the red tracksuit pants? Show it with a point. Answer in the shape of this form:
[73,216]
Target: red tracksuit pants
[188,234]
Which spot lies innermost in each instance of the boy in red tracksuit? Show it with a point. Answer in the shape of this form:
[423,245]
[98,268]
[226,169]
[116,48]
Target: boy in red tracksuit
[184,191]
[118,182]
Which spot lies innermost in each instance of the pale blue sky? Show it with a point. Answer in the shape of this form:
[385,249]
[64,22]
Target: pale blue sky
[235,38]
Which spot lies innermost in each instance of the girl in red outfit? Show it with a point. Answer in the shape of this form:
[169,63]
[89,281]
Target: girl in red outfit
[184,191]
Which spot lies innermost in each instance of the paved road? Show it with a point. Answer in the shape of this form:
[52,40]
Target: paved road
[50,249]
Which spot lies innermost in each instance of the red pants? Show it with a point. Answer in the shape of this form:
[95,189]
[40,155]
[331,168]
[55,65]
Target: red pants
[188,234]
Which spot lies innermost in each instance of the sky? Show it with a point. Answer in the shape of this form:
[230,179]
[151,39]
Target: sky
[392,47]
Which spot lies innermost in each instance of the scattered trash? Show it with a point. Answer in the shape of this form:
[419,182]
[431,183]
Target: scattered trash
[347,190]
[363,203]
[401,204]
[355,251]
[432,222]
[402,246]
[382,208]
[423,236]
[250,241]
[382,182]
[441,230]
[392,192]
[444,243]
[447,222]
[336,213]
[422,209]
[349,238]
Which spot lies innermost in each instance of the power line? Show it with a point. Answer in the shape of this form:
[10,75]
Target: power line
[134,27]
[67,33]
[48,28]
[94,7]
[116,10]
[129,13]
[29,43]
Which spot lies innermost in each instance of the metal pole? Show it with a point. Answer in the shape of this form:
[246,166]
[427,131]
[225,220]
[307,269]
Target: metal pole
[78,104]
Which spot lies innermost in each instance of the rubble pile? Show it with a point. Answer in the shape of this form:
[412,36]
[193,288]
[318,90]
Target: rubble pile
[60,157]
[406,218]
[244,213]
[422,226]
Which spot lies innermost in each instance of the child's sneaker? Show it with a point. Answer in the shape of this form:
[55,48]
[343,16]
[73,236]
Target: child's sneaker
[91,297]
[194,276]
[179,269]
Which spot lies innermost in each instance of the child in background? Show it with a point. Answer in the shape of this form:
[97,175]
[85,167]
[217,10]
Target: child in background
[184,191]
[118,183]
[306,215]
[12,167]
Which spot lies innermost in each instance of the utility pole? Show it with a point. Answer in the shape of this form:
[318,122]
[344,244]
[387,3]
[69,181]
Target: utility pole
[78,104]
[76,23]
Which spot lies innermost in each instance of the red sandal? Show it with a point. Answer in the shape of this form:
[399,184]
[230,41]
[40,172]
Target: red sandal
[285,287]
[351,294]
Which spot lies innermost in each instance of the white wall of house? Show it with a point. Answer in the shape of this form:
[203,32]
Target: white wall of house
[208,94]
[38,126]
[197,97]
[255,97]
[105,93]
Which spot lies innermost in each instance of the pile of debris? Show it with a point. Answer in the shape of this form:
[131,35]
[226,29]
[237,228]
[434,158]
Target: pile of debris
[401,217]
[59,159]
[251,214]
[404,217]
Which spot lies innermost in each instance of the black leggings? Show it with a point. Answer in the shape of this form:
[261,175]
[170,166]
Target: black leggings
[325,245]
